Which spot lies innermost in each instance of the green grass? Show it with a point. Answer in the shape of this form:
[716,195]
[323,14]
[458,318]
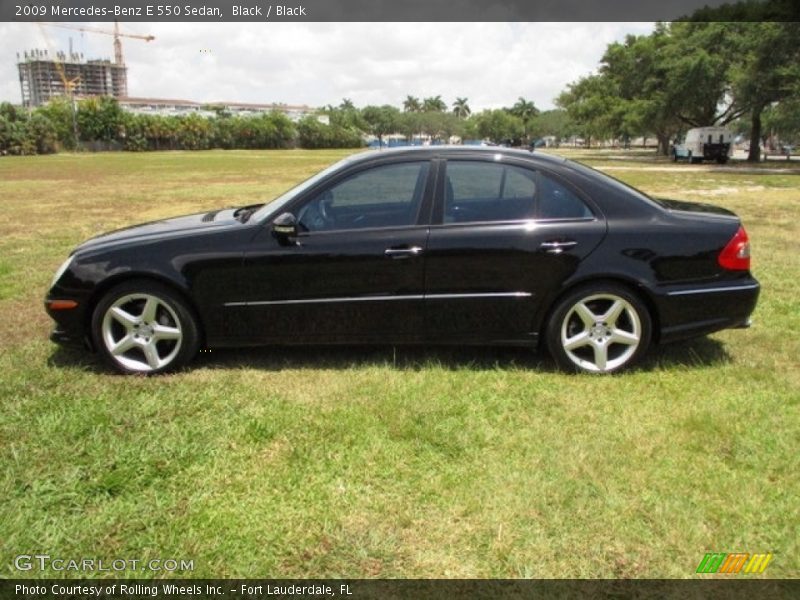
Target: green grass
[382,463]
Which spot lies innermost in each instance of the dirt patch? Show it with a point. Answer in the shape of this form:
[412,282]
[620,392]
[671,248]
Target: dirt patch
[727,191]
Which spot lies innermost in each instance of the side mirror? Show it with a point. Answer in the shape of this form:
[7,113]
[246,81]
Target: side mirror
[284,226]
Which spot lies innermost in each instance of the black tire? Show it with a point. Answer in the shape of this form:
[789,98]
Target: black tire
[596,340]
[722,160]
[141,326]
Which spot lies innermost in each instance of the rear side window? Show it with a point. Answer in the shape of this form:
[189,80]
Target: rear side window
[556,201]
[481,191]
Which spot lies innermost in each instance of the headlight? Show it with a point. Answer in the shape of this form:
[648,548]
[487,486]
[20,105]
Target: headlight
[61,270]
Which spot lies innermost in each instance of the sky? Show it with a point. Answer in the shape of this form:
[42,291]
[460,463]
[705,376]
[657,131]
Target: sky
[491,64]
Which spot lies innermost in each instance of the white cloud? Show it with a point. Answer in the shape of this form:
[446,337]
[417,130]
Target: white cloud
[320,63]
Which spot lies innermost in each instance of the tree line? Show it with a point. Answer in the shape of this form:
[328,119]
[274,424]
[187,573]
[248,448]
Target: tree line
[100,123]
[690,74]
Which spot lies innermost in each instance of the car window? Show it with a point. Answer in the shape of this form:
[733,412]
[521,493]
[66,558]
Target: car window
[519,183]
[479,191]
[556,201]
[383,196]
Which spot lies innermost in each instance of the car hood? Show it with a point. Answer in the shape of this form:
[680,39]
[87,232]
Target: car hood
[694,207]
[164,228]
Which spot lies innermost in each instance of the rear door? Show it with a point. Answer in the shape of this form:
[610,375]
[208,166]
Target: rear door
[503,236]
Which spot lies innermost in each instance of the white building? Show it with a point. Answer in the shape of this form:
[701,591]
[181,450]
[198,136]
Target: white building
[174,107]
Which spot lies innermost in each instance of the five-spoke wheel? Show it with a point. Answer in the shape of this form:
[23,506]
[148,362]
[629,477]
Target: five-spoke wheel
[143,327]
[599,329]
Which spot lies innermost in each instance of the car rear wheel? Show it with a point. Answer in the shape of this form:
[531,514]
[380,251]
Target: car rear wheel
[144,327]
[599,328]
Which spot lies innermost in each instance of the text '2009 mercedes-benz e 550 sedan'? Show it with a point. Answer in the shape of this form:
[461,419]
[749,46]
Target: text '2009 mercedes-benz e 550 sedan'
[456,245]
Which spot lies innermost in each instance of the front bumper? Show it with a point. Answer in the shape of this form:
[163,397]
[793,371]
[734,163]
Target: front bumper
[65,338]
[70,325]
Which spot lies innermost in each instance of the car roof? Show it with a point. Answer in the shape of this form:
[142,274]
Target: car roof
[447,151]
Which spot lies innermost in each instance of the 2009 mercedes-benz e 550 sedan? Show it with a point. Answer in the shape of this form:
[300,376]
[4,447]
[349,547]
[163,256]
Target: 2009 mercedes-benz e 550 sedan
[430,245]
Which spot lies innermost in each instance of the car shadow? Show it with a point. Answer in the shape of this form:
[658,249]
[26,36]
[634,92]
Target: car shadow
[701,352]
[407,358]
[74,357]
[696,353]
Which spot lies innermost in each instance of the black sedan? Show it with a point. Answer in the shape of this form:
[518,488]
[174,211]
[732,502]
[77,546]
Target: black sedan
[455,245]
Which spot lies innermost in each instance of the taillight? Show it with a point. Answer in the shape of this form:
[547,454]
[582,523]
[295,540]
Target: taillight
[736,254]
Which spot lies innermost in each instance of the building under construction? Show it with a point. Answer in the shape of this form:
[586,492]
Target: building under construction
[42,77]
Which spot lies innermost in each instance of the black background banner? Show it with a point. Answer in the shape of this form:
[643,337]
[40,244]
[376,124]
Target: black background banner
[385,10]
[354,589]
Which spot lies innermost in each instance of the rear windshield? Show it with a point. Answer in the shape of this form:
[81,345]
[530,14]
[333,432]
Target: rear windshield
[612,182]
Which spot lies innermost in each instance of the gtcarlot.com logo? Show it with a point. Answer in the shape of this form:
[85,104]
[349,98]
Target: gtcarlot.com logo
[44,562]
[741,562]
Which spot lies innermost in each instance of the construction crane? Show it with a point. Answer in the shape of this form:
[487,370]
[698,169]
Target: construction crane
[69,84]
[118,58]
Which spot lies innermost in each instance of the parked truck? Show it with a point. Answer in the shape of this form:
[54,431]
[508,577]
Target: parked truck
[704,143]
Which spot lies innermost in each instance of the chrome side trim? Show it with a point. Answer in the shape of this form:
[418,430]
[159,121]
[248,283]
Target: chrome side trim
[376,298]
[486,295]
[326,300]
[730,288]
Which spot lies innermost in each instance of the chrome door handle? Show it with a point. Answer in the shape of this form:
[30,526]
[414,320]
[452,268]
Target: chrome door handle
[557,247]
[403,252]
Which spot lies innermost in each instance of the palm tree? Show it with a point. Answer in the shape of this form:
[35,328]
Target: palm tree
[347,104]
[461,109]
[411,104]
[524,109]
[434,104]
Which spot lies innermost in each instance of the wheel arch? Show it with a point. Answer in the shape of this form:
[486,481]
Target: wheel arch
[103,288]
[631,284]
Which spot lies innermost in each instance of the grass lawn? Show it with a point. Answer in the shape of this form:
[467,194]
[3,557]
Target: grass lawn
[383,463]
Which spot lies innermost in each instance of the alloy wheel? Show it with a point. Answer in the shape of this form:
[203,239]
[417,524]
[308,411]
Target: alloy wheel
[601,332]
[141,332]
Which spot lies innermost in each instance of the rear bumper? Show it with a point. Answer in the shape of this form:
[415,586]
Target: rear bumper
[690,311]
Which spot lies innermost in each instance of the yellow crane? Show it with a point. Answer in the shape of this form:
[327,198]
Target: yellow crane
[69,85]
[118,59]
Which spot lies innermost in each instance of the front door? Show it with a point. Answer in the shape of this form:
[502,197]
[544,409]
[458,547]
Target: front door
[356,270]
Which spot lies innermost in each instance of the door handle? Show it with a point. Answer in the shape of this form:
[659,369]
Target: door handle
[403,252]
[557,246]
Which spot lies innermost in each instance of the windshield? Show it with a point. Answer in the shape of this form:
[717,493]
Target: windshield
[275,205]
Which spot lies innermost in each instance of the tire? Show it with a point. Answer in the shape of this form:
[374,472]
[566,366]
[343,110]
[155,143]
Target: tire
[599,328]
[144,327]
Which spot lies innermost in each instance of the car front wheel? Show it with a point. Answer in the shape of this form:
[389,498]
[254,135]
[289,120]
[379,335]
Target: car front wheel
[144,327]
[599,329]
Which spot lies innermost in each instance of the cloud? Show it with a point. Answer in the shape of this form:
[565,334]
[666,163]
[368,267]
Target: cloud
[320,63]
